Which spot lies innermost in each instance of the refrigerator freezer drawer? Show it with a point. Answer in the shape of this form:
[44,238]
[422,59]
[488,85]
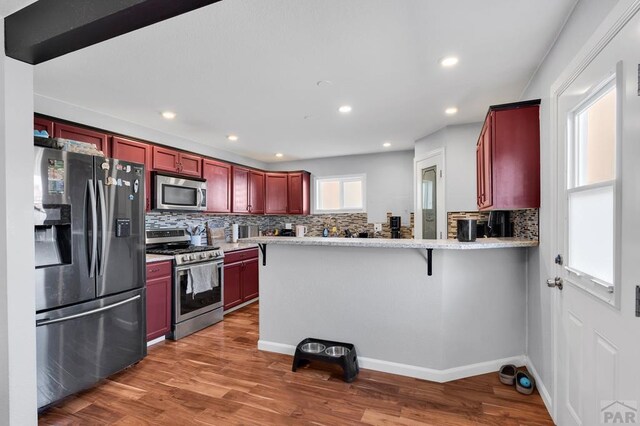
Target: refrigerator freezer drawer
[80,345]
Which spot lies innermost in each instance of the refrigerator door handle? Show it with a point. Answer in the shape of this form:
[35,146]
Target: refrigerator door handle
[84,314]
[94,228]
[103,219]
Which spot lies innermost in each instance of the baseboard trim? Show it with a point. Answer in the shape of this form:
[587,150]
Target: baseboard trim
[544,393]
[279,348]
[156,340]
[430,374]
[439,376]
[247,303]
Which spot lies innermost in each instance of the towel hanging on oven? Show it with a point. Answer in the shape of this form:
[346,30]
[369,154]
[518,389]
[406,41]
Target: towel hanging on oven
[201,278]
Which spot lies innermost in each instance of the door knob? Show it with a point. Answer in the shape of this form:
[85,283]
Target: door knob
[555,282]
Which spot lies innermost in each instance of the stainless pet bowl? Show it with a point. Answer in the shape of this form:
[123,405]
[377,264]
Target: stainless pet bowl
[313,347]
[336,351]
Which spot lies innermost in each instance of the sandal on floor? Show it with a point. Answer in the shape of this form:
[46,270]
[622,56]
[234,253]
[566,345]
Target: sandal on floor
[525,383]
[507,374]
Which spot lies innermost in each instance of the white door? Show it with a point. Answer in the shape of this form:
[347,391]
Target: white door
[597,333]
[429,203]
[430,211]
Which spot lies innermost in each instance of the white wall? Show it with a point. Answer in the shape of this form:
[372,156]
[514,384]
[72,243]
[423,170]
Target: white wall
[586,17]
[78,114]
[432,327]
[18,405]
[389,179]
[459,143]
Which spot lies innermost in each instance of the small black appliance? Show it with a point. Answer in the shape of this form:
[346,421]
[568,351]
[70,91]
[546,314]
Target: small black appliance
[394,224]
[466,231]
[499,224]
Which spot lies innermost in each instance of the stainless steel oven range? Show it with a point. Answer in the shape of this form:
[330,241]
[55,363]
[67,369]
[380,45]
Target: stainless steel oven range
[198,278]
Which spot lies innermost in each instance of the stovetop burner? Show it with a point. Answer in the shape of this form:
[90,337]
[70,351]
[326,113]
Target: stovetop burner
[175,242]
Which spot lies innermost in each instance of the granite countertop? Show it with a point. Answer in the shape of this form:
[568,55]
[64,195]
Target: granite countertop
[480,243]
[158,258]
[227,247]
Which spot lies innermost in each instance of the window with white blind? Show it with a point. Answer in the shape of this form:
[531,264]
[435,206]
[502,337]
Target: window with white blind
[340,194]
[591,193]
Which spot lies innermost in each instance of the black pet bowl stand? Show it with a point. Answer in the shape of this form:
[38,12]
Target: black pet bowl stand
[348,361]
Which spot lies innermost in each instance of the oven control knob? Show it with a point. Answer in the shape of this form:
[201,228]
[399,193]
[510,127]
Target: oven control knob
[185,258]
[203,256]
[192,257]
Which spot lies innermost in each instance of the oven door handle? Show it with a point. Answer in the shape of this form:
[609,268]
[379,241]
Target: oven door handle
[184,268]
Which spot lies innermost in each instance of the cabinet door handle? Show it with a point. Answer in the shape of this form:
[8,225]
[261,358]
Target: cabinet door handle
[154,270]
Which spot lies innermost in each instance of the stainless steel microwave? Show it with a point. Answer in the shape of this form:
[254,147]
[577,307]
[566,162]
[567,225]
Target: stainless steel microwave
[178,193]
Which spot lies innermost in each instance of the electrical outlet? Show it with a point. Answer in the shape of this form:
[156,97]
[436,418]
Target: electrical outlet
[377,227]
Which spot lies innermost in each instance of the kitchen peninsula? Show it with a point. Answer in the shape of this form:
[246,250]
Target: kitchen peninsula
[462,320]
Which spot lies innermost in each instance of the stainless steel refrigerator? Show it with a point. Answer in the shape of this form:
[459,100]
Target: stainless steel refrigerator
[90,270]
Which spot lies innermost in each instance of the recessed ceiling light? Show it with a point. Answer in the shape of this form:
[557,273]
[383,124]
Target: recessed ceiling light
[232,138]
[386,144]
[324,83]
[169,115]
[279,155]
[345,109]
[451,110]
[449,61]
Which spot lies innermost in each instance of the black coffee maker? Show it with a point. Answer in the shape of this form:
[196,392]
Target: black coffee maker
[499,224]
[394,224]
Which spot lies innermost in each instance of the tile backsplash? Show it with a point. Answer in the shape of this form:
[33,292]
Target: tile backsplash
[524,222]
[356,222]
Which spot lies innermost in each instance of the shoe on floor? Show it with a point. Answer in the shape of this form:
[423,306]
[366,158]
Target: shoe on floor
[525,384]
[507,374]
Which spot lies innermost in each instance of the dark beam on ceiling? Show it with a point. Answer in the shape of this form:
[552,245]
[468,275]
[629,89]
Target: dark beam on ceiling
[48,29]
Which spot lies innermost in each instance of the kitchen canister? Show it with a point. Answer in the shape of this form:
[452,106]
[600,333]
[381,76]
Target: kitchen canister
[300,230]
[234,233]
[467,229]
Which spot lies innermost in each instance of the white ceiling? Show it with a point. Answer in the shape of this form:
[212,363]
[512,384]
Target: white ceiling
[7,7]
[250,67]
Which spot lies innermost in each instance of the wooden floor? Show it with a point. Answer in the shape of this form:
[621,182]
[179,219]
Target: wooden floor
[218,377]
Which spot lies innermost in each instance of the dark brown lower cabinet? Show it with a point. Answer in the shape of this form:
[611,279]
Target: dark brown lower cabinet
[241,281]
[158,299]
